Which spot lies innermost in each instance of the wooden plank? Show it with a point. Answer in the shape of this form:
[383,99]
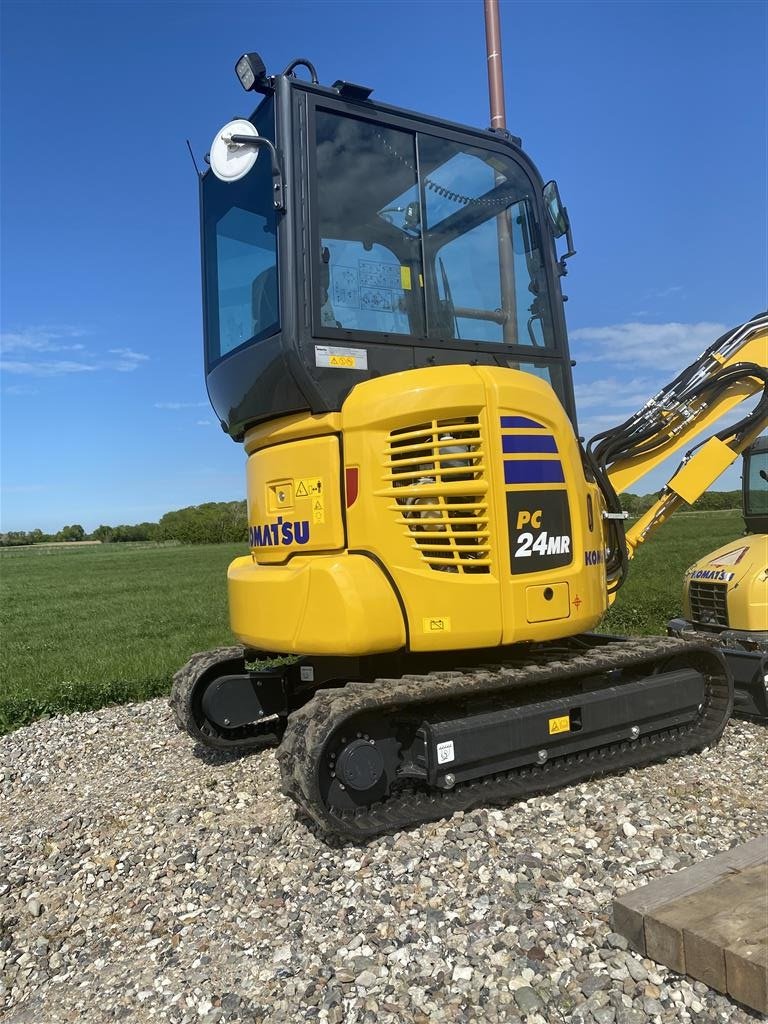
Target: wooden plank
[705,943]
[746,968]
[664,926]
[630,909]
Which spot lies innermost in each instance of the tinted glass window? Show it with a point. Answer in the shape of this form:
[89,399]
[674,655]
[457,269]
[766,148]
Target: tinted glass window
[757,484]
[240,253]
[370,245]
[481,247]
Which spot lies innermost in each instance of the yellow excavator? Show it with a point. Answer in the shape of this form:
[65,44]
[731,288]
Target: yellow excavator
[430,543]
[725,594]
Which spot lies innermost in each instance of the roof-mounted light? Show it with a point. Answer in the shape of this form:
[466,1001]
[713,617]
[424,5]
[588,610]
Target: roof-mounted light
[252,72]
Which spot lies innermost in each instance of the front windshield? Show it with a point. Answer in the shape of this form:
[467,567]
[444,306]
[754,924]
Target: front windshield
[448,252]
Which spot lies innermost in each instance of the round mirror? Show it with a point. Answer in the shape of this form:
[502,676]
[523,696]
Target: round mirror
[230,160]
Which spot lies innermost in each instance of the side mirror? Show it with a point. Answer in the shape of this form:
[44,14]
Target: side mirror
[558,215]
[559,220]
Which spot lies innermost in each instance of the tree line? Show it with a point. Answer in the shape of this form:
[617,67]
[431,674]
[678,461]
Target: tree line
[219,522]
[214,522]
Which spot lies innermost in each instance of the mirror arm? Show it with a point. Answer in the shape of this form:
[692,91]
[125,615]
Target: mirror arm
[569,243]
[278,198]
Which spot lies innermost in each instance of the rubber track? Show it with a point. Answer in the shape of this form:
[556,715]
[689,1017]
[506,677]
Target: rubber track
[181,701]
[311,727]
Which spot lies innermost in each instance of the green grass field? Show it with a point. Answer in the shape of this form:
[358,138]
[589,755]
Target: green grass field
[84,627]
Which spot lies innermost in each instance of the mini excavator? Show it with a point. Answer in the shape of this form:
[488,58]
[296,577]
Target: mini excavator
[725,594]
[430,543]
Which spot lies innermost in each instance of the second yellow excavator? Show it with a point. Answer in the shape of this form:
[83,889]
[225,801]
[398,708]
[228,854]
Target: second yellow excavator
[725,594]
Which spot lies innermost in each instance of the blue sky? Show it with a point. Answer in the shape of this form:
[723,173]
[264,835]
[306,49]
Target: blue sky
[652,116]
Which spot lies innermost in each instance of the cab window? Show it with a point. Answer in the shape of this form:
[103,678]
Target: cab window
[757,484]
[370,257]
[240,254]
[424,236]
[481,247]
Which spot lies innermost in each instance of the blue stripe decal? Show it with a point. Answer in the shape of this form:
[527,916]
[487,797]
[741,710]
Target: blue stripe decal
[513,444]
[533,471]
[520,421]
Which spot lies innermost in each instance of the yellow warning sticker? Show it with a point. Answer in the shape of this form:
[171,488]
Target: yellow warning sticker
[306,487]
[437,624]
[318,509]
[562,724]
[348,362]
[405,278]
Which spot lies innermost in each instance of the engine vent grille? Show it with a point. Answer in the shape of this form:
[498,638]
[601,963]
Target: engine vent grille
[437,476]
[709,604]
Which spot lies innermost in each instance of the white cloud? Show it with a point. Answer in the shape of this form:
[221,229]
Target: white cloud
[614,393]
[56,368]
[40,339]
[203,423]
[128,359]
[21,389]
[175,406]
[30,348]
[668,346]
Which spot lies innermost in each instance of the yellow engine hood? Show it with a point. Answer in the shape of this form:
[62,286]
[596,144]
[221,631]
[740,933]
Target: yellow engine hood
[733,561]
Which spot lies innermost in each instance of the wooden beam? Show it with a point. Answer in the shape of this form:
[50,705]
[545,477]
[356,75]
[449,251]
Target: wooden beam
[630,909]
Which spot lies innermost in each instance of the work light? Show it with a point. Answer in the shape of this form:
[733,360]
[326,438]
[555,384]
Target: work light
[252,71]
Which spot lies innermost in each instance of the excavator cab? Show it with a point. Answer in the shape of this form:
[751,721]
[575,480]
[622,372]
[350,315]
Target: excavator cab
[398,241]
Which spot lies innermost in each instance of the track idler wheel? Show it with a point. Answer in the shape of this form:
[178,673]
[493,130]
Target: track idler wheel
[359,766]
[187,703]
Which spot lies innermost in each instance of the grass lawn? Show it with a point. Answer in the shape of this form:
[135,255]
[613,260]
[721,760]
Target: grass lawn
[89,626]
[84,627]
[652,594]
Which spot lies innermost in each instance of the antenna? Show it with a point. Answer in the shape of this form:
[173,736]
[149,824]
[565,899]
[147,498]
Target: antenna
[197,169]
[499,124]
[495,67]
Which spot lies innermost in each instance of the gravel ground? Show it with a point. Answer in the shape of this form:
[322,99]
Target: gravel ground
[142,880]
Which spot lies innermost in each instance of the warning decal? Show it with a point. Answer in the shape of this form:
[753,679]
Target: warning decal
[437,624]
[341,358]
[445,752]
[306,487]
[318,510]
[561,724]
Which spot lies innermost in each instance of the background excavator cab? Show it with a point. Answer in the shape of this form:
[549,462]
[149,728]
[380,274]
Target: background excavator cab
[755,487]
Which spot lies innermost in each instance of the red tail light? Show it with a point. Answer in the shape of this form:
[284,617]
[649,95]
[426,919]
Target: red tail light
[351,482]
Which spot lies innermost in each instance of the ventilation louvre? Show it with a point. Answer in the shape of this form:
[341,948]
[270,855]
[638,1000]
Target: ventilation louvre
[436,472]
[709,603]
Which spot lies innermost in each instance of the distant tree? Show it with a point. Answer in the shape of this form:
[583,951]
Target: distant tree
[717,500]
[141,531]
[14,538]
[103,533]
[215,522]
[71,533]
